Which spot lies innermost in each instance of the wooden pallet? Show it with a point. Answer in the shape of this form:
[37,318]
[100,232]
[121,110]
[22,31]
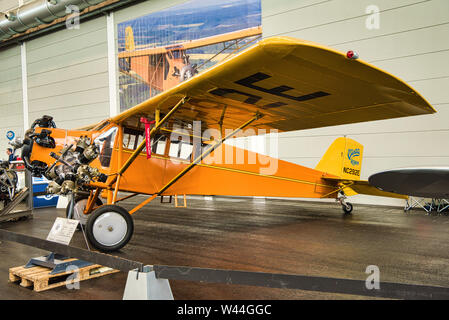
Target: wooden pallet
[40,278]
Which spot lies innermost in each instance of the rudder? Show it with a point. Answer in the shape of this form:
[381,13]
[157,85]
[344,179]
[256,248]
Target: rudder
[343,159]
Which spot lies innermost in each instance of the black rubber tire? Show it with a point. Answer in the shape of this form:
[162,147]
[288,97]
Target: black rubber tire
[98,202]
[346,210]
[99,212]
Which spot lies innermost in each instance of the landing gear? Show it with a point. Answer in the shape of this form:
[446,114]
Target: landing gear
[79,207]
[109,228]
[346,206]
[347,209]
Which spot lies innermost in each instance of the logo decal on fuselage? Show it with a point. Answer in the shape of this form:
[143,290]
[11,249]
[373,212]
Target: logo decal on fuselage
[353,153]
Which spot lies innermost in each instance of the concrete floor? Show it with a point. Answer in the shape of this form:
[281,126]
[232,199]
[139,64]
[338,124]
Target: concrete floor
[281,236]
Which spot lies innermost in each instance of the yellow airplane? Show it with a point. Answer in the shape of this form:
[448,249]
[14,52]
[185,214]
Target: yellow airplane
[279,83]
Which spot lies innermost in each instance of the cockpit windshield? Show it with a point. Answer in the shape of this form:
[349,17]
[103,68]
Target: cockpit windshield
[105,143]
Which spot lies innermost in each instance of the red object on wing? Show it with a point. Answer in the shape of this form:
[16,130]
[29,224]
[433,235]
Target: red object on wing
[352,55]
[147,135]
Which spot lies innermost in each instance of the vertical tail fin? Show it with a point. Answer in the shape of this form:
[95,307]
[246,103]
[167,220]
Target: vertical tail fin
[343,159]
[129,39]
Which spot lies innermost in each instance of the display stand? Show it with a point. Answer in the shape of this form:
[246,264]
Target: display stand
[58,263]
[437,205]
[145,286]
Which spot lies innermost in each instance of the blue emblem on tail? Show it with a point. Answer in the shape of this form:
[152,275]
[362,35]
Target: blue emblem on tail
[353,153]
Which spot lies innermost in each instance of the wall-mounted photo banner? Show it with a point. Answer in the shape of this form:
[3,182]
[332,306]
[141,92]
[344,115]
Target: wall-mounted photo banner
[162,49]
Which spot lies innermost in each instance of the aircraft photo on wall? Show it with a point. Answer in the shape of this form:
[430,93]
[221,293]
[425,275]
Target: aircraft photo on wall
[162,49]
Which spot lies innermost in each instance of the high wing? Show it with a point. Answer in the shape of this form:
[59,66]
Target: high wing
[417,182]
[353,187]
[295,84]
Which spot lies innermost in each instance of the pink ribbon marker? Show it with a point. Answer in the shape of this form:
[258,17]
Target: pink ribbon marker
[147,134]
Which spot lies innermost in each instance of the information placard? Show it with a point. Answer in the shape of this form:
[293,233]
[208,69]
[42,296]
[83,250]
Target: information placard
[62,230]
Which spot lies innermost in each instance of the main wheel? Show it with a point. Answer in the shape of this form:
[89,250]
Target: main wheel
[79,207]
[109,228]
[347,209]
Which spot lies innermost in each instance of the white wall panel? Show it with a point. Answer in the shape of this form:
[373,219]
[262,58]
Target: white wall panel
[6,5]
[144,8]
[68,75]
[11,111]
[412,43]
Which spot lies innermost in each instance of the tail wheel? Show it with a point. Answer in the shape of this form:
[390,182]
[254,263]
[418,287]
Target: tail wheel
[109,228]
[79,207]
[347,208]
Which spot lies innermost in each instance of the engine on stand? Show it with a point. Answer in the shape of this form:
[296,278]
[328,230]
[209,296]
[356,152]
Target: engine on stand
[8,183]
[71,172]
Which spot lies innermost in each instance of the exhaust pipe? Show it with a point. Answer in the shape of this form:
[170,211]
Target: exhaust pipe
[37,13]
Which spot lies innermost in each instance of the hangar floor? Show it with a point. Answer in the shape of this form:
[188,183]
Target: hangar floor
[281,236]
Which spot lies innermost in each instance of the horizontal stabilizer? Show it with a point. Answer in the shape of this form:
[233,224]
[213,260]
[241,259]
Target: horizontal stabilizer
[354,187]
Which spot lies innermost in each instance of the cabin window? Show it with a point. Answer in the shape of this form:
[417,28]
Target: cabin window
[200,148]
[158,145]
[180,149]
[132,138]
[105,143]
[186,151]
[174,149]
[139,140]
[129,141]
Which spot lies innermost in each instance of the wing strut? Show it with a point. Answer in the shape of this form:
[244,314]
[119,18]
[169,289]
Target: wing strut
[257,116]
[139,149]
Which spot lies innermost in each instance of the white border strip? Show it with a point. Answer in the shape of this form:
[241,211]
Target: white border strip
[112,71]
[23,55]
